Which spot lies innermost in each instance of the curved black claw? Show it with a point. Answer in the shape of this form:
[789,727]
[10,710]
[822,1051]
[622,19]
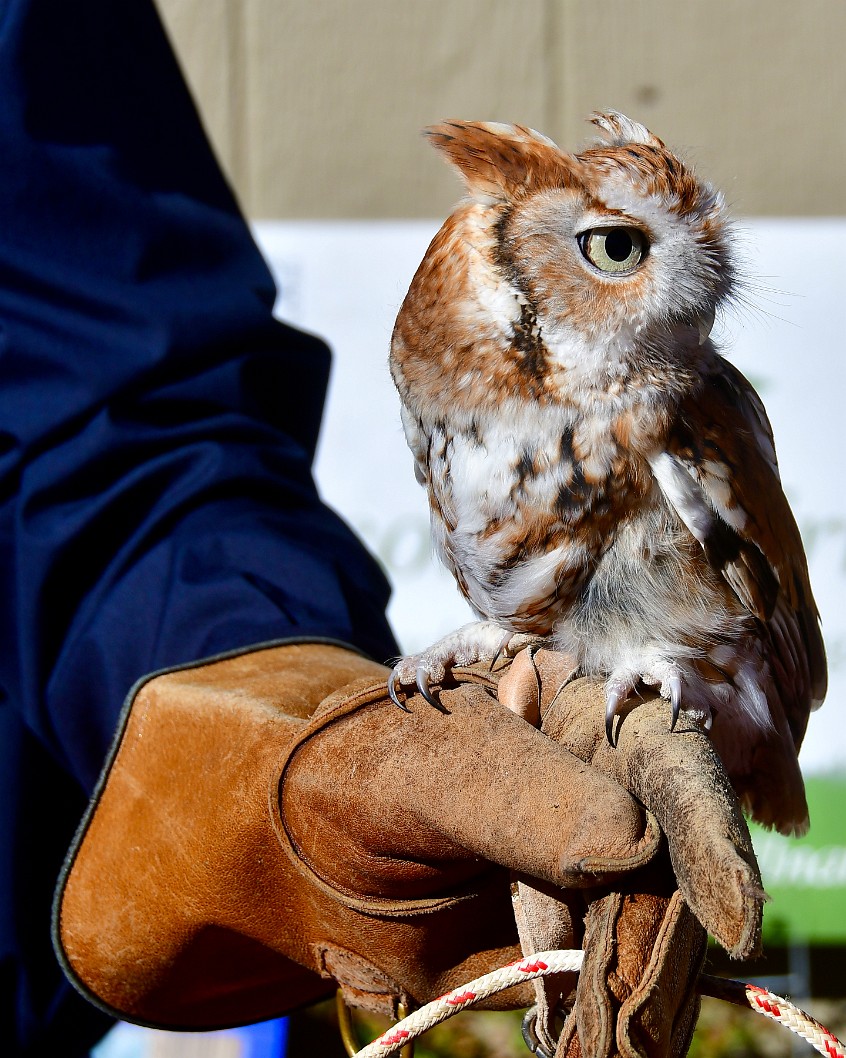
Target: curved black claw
[562,687]
[609,724]
[530,652]
[500,650]
[675,699]
[530,1035]
[393,688]
[612,706]
[421,678]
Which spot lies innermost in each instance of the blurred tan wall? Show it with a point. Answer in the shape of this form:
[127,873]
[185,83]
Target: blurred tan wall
[314,106]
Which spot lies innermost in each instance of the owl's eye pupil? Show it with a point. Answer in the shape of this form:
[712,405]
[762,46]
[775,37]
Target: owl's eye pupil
[614,250]
[618,244]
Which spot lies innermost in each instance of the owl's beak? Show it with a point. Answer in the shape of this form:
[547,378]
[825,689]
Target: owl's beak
[704,325]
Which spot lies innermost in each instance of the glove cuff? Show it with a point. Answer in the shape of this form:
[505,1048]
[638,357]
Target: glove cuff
[175,907]
[183,903]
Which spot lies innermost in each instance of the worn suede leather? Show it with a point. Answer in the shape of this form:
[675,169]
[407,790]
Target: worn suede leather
[193,900]
[271,824]
[636,995]
[176,893]
[683,784]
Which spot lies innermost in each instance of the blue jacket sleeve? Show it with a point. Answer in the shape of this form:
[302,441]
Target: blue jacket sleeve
[158,425]
[157,428]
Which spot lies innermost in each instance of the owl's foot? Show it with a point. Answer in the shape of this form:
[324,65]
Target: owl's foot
[664,675]
[476,642]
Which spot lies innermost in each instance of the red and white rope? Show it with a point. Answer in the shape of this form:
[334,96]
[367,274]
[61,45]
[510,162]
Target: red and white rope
[539,965]
[778,1009]
[550,962]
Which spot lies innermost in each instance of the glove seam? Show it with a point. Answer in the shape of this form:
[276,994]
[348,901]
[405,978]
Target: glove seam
[350,699]
[634,1003]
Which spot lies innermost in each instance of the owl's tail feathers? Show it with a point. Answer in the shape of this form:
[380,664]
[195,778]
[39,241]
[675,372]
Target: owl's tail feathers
[764,770]
[772,792]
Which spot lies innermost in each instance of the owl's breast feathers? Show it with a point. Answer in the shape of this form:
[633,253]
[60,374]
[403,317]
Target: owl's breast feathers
[523,503]
[527,500]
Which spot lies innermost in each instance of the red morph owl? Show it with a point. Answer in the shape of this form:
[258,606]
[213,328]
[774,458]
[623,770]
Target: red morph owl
[598,475]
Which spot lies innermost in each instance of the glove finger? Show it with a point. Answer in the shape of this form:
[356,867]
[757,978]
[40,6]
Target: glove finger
[679,777]
[660,1014]
[431,796]
[549,918]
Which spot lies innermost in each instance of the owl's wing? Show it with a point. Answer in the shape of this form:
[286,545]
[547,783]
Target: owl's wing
[427,446]
[719,471]
[418,443]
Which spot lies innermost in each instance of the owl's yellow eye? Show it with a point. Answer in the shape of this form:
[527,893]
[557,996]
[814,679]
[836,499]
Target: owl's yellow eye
[615,250]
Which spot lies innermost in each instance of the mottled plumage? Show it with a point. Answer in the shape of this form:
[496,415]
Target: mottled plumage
[598,475]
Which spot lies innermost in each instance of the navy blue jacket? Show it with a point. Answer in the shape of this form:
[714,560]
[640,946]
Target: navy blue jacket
[157,428]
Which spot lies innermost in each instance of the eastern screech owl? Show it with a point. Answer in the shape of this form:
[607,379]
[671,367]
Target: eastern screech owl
[598,475]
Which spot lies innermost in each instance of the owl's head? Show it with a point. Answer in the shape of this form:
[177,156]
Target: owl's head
[619,243]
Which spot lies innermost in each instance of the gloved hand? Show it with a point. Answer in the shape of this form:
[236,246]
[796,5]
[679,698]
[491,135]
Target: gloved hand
[254,841]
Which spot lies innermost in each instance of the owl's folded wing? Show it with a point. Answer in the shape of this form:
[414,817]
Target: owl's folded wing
[719,472]
[418,444]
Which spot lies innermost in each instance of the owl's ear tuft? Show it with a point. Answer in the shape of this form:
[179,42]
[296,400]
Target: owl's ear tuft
[499,162]
[619,130]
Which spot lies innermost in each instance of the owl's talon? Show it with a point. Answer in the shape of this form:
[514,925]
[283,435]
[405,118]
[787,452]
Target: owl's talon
[501,649]
[393,685]
[614,697]
[675,698]
[609,723]
[421,678]
[530,653]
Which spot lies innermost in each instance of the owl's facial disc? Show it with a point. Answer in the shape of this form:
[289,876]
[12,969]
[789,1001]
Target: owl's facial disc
[614,250]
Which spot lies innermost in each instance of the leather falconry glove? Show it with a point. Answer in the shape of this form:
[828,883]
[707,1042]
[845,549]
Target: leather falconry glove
[270,825]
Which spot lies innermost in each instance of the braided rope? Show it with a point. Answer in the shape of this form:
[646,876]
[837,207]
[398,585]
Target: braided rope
[550,962]
[777,1008]
[539,965]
